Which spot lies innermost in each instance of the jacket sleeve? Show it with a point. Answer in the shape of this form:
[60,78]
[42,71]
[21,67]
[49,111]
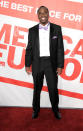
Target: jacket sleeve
[28,51]
[60,49]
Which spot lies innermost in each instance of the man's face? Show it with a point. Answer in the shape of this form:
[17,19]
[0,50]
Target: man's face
[43,16]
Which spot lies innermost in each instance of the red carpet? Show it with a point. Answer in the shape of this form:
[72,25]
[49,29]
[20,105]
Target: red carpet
[20,119]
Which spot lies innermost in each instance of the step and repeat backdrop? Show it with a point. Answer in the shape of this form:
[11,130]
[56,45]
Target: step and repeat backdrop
[16,17]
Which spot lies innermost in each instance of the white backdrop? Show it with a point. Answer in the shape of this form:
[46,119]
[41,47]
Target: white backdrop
[16,87]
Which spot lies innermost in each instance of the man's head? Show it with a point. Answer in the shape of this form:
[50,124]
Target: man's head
[43,15]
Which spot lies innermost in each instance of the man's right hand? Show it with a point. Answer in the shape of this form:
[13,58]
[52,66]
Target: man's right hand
[28,70]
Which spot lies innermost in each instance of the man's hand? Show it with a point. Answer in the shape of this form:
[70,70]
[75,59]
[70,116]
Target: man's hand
[28,70]
[59,71]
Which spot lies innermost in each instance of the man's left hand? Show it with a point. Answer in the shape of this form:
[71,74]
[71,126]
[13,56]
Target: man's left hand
[59,71]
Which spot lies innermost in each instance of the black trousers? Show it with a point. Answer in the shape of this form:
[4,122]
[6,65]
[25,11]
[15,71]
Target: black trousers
[45,68]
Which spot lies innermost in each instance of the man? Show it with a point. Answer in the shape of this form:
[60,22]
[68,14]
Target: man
[45,53]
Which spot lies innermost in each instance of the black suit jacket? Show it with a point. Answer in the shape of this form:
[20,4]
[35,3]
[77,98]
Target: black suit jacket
[56,48]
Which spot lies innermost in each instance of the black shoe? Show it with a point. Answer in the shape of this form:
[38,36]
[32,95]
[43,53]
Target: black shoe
[57,115]
[34,115]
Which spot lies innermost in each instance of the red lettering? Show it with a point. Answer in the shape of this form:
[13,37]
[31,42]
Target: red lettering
[76,49]
[1,54]
[6,29]
[18,36]
[11,55]
[2,47]
[75,73]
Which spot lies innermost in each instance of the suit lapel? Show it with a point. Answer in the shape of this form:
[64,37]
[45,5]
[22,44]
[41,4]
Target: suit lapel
[51,33]
[51,29]
[37,38]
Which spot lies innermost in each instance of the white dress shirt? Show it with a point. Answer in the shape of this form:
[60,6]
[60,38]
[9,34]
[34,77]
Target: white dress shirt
[44,40]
